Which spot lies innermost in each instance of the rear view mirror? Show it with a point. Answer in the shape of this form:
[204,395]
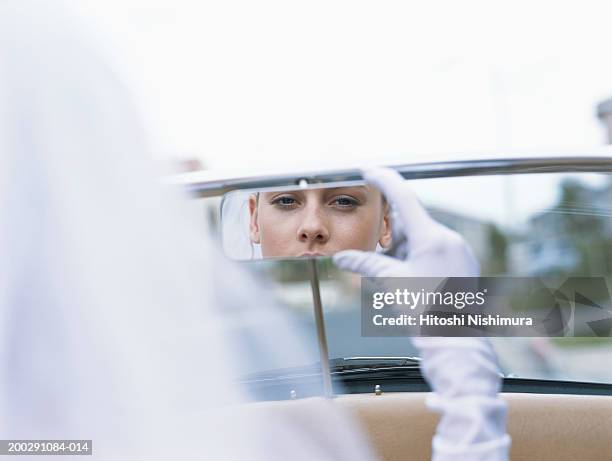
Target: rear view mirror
[310,221]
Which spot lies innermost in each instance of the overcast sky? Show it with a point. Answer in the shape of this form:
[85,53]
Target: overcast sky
[282,83]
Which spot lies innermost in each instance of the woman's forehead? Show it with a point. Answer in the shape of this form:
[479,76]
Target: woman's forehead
[324,191]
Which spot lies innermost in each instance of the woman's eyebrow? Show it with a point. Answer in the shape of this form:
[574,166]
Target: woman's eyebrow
[271,195]
[349,189]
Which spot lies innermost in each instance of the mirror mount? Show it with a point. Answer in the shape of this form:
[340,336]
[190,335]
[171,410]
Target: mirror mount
[320,326]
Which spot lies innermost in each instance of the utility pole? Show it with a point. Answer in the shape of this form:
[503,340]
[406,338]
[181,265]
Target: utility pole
[604,113]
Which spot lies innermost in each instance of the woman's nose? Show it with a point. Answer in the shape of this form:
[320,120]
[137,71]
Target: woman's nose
[312,229]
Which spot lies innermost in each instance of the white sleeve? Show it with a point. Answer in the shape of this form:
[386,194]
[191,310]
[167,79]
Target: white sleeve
[470,429]
[465,380]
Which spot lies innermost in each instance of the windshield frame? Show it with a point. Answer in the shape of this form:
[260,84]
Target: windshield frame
[486,166]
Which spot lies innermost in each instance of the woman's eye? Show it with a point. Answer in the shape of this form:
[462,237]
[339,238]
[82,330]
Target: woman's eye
[345,202]
[285,201]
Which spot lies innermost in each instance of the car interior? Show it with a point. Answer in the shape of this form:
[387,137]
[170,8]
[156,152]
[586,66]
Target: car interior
[545,427]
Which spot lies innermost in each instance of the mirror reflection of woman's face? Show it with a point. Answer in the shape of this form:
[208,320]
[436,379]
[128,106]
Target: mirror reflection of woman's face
[319,222]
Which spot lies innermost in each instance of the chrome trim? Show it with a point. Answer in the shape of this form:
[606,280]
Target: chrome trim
[383,357]
[216,187]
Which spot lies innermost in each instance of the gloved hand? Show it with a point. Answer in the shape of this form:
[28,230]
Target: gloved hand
[433,249]
[462,372]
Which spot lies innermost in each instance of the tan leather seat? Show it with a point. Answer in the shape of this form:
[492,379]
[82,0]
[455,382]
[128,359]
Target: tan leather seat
[543,427]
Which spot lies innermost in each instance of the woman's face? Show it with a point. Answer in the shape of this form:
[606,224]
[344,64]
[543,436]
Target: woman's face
[319,221]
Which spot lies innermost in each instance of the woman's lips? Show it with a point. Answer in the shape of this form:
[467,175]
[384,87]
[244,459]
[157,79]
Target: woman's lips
[310,254]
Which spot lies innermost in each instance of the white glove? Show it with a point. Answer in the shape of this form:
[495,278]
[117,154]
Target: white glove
[433,249]
[462,372]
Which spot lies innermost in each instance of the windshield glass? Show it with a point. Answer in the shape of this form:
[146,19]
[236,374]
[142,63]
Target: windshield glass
[533,225]
[545,225]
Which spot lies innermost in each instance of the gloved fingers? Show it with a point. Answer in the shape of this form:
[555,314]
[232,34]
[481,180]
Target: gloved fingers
[416,222]
[366,263]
